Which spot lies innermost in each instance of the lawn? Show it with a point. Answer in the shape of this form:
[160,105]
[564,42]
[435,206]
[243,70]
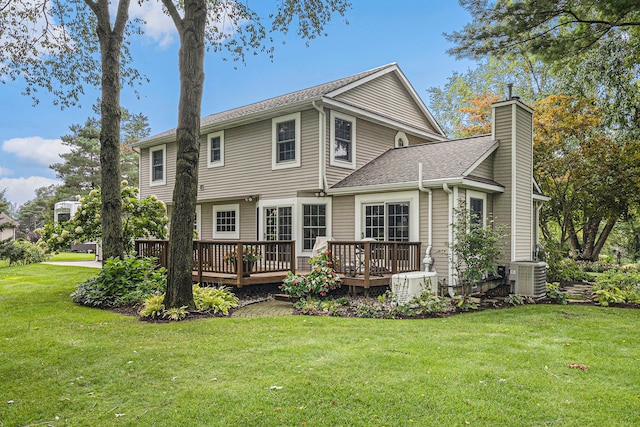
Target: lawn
[61,365]
[72,256]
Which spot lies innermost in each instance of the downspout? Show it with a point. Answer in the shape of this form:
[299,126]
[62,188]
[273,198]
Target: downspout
[446,189]
[322,147]
[428,261]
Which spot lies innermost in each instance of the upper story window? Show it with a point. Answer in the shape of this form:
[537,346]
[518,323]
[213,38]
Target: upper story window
[215,149]
[286,141]
[158,162]
[343,140]
[401,140]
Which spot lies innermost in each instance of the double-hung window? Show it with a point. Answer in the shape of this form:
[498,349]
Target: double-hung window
[286,141]
[215,149]
[314,224]
[157,165]
[343,140]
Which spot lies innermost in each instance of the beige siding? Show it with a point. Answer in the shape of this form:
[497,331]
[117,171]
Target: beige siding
[248,220]
[371,141]
[206,221]
[387,96]
[163,192]
[440,230]
[247,166]
[524,202]
[484,169]
[502,174]
[343,217]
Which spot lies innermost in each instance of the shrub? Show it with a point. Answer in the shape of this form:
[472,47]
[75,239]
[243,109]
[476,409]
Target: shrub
[212,299]
[514,299]
[565,270]
[153,307]
[322,279]
[206,299]
[122,282]
[22,252]
[555,295]
[615,287]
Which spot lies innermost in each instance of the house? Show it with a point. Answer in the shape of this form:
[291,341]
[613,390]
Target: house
[357,158]
[8,227]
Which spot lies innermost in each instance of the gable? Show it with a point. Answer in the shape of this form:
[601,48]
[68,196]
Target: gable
[387,96]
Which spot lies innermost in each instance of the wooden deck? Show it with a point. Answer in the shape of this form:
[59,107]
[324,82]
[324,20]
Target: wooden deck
[359,264]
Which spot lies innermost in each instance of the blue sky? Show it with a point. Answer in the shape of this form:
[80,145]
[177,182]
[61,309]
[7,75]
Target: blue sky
[409,33]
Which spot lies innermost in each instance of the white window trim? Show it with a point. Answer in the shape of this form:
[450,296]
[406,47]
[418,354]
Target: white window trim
[401,136]
[478,195]
[332,149]
[274,142]
[199,221]
[226,234]
[297,214]
[217,163]
[152,150]
[413,197]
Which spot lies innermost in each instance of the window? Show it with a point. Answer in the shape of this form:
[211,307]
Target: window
[401,140]
[314,224]
[343,140]
[215,149]
[279,222]
[286,141]
[387,221]
[157,161]
[226,222]
[476,203]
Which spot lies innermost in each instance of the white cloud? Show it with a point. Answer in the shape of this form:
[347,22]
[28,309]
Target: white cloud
[44,151]
[158,25]
[5,171]
[20,190]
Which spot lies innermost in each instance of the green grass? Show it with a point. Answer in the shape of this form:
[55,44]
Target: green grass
[62,365]
[72,256]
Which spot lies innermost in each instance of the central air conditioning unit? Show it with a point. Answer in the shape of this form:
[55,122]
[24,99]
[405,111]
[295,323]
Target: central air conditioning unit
[530,278]
[407,286]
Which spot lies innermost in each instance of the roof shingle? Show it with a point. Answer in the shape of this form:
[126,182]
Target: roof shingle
[441,160]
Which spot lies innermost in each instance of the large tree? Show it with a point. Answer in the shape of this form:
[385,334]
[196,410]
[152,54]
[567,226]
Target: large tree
[554,30]
[80,167]
[61,46]
[198,23]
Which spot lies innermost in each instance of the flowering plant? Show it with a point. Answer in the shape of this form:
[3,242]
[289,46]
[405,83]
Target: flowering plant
[249,254]
[320,281]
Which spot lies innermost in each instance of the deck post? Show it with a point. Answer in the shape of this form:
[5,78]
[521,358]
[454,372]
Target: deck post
[292,262]
[199,250]
[394,259]
[367,263]
[239,264]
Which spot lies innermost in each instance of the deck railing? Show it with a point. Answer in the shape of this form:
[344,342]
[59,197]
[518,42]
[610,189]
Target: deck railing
[372,258]
[362,261]
[222,256]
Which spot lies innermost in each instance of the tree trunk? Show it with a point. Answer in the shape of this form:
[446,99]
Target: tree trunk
[604,235]
[191,63]
[110,50]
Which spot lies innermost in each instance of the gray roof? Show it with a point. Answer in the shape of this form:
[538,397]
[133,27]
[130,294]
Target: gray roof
[4,218]
[441,160]
[279,101]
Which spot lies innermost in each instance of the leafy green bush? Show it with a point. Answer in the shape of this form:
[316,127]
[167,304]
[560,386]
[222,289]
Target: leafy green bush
[122,282]
[22,252]
[555,295]
[215,300]
[565,270]
[206,299]
[616,286]
[322,279]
